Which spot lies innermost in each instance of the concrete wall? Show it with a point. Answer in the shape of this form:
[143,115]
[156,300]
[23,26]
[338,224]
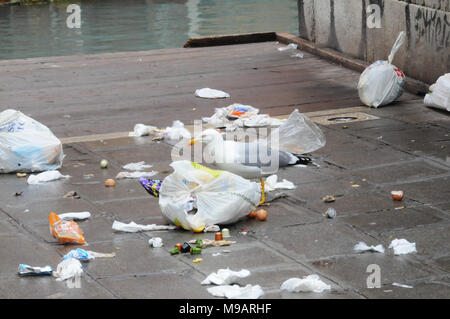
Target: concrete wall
[342,25]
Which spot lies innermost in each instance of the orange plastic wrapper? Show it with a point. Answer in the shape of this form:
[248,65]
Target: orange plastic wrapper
[66,231]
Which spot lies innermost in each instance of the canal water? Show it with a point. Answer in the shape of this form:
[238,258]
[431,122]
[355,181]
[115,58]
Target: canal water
[132,25]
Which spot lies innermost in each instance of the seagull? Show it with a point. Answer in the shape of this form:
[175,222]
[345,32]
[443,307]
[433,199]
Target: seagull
[247,159]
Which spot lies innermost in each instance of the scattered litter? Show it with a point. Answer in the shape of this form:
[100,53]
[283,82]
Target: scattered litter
[139,166]
[132,227]
[355,185]
[20,175]
[75,216]
[328,199]
[236,292]
[197,260]
[208,93]
[27,145]
[311,283]
[225,277]
[72,194]
[67,269]
[439,95]
[298,135]
[297,55]
[330,213]
[226,233]
[214,243]
[261,214]
[222,116]
[361,247]
[104,163]
[218,236]
[45,177]
[175,132]
[290,46]
[271,184]
[142,130]
[402,247]
[17,194]
[155,242]
[26,211]
[244,232]
[151,186]
[123,175]
[194,197]
[397,195]
[65,231]
[401,285]
[110,182]
[26,270]
[382,82]
[212,228]
[400,207]
[86,255]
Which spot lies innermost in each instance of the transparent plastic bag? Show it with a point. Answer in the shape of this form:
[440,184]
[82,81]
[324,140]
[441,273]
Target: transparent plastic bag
[26,145]
[194,197]
[298,135]
[382,82]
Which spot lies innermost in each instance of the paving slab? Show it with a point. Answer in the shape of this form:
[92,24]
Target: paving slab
[353,269]
[377,223]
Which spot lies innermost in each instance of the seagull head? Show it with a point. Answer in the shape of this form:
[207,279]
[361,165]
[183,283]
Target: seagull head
[207,137]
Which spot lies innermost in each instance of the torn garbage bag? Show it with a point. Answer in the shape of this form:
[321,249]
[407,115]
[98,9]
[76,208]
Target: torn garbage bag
[27,145]
[382,82]
[194,197]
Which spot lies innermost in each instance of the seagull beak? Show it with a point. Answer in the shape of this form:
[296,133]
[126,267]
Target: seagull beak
[192,141]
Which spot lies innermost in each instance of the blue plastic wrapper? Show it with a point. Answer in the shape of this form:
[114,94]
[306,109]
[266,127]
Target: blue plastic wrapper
[80,254]
[26,270]
[152,186]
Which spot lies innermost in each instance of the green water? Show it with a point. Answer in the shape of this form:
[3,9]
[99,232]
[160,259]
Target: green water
[131,25]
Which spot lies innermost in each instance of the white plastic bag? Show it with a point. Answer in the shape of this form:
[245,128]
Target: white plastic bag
[382,82]
[298,135]
[439,95]
[194,197]
[26,145]
[45,177]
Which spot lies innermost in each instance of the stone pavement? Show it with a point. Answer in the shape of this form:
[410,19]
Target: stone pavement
[404,146]
[407,148]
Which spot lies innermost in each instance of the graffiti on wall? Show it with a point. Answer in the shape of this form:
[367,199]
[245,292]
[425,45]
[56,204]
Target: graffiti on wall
[432,28]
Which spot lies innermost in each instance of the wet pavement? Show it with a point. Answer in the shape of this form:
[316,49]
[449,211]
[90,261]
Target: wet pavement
[405,146]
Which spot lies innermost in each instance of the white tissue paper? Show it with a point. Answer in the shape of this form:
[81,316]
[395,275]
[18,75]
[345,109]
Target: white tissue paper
[133,227]
[236,292]
[139,166]
[364,247]
[208,93]
[75,216]
[142,130]
[225,277]
[272,183]
[311,283]
[123,175]
[155,242]
[402,247]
